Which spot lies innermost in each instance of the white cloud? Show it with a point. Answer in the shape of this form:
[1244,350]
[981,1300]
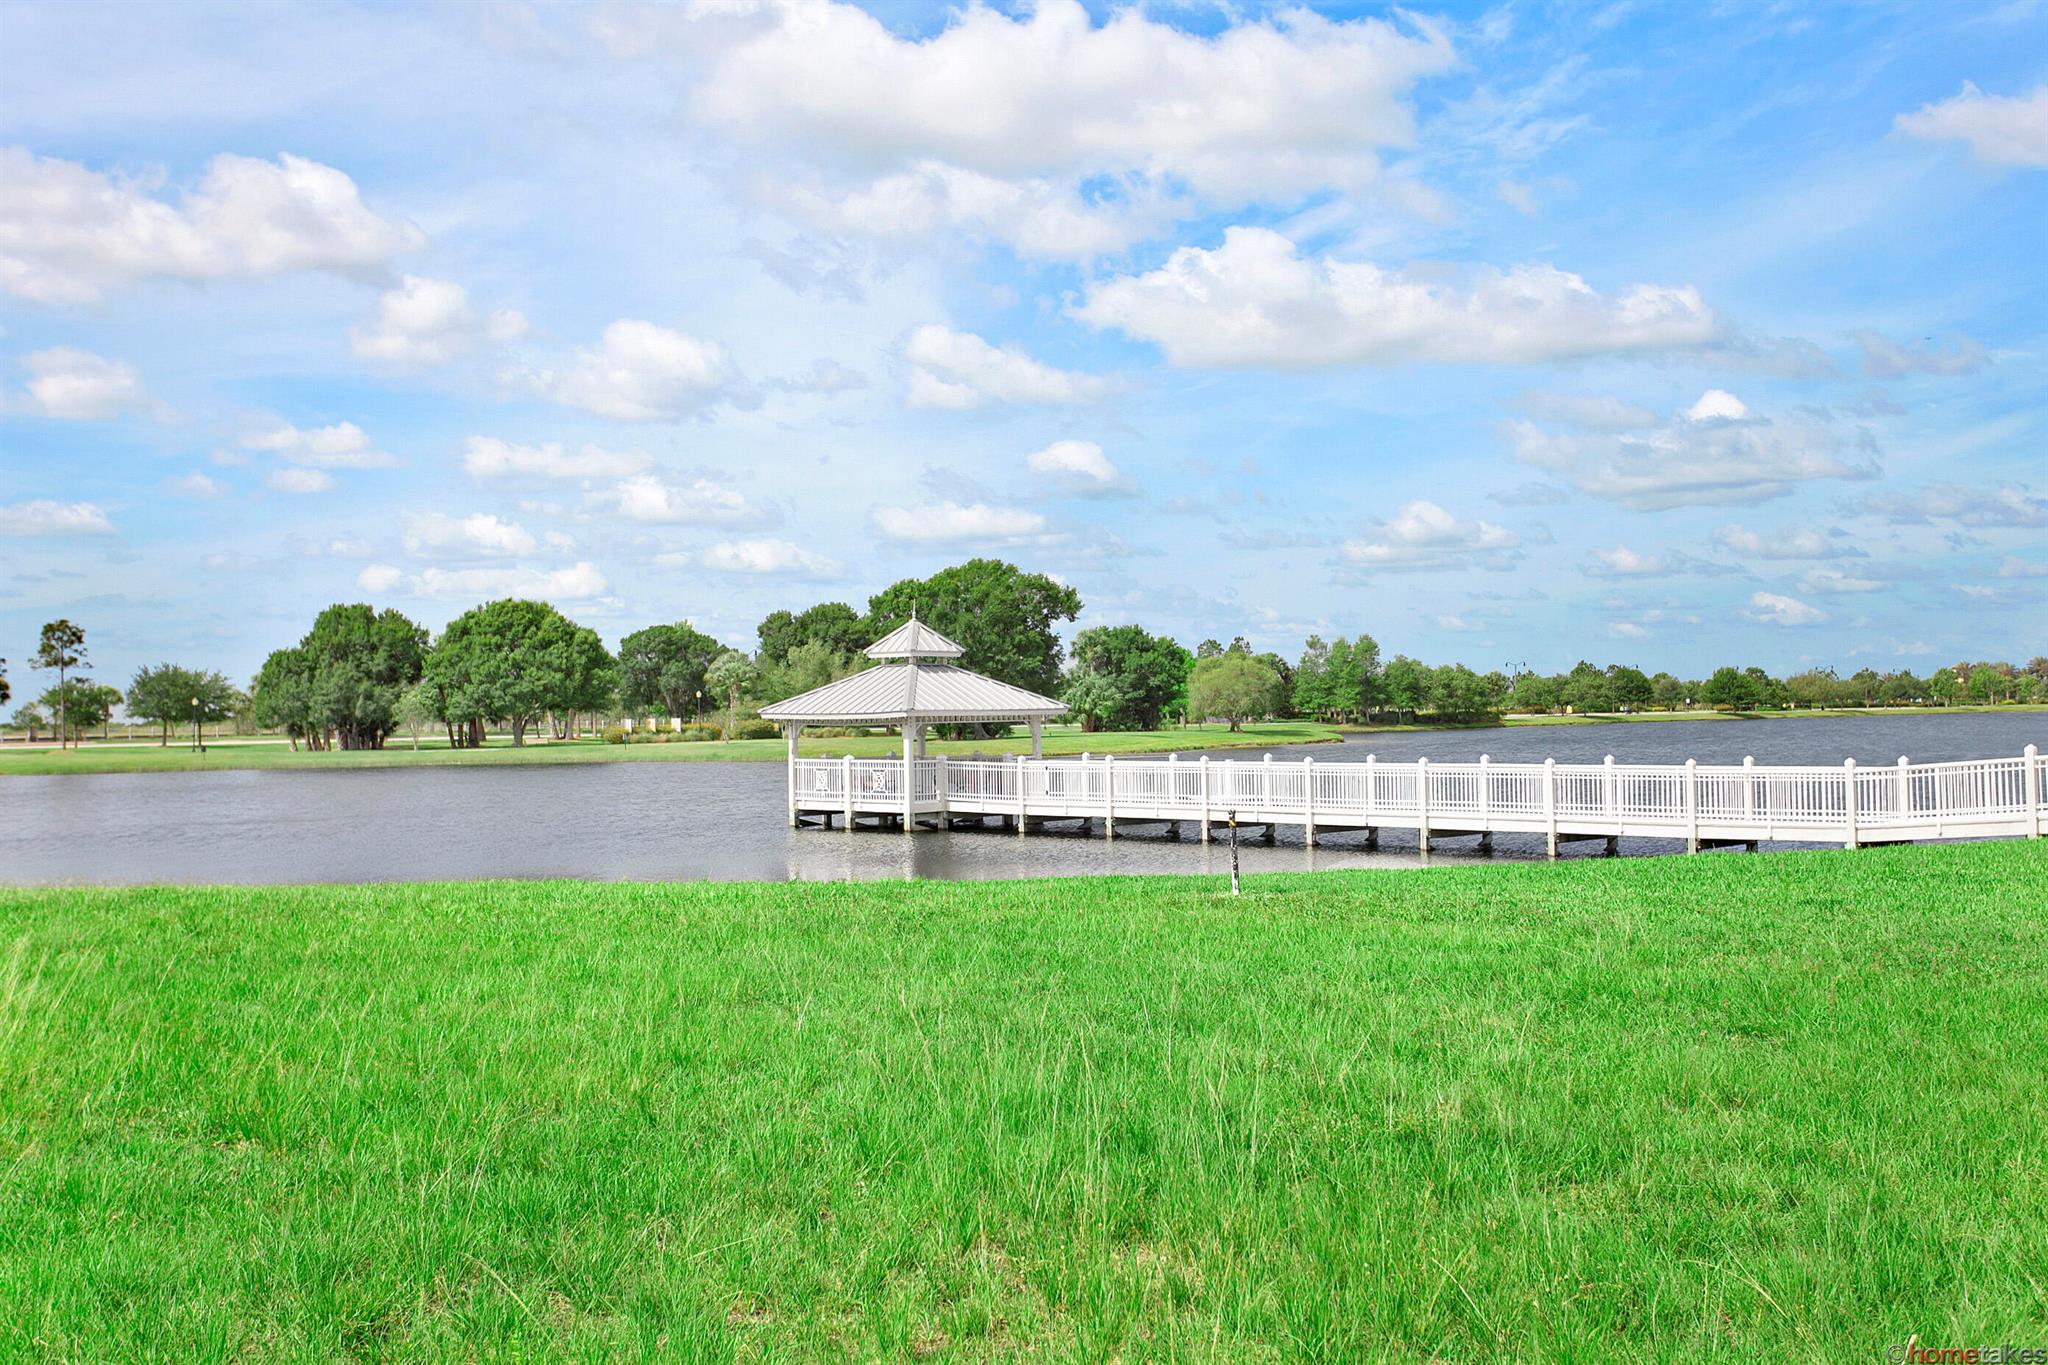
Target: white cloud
[766,557]
[998,123]
[43,517]
[1703,460]
[300,480]
[2007,506]
[647,498]
[946,521]
[69,383]
[195,485]
[479,532]
[429,322]
[1079,467]
[1423,536]
[1586,410]
[1772,609]
[67,234]
[642,372]
[1834,580]
[959,370]
[1804,542]
[380,577]
[1718,404]
[2005,130]
[1627,630]
[1459,624]
[1623,562]
[2014,567]
[487,457]
[340,446]
[1884,358]
[1256,301]
[577,582]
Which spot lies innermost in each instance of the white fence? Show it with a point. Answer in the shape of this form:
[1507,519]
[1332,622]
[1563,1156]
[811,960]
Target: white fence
[1976,798]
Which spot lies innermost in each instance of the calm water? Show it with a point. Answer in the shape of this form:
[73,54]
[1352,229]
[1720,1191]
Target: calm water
[725,821]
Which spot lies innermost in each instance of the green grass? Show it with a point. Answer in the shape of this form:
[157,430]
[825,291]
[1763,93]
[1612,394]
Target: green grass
[143,758]
[1779,1106]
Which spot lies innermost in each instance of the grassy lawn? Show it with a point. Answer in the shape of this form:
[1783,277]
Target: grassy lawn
[142,758]
[1768,1106]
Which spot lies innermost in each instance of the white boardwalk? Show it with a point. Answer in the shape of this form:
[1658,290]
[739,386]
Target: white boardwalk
[1703,806]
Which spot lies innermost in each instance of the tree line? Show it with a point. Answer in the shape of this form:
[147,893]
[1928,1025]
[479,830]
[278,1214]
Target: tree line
[362,675]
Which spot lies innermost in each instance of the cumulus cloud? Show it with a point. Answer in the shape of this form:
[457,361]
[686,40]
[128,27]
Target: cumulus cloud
[68,234]
[68,383]
[1800,542]
[649,498]
[1257,301]
[1834,580]
[195,485]
[947,521]
[1423,536]
[1623,562]
[479,532]
[429,322]
[1080,468]
[300,480]
[1715,454]
[578,582]
[2004,130]
[1772,609]
[2007,506]
[2012,566]
[767,557]
[952,369]
[641,372]
[340,446]
[487,457]
[999,123]
[1884,358]
[43,517]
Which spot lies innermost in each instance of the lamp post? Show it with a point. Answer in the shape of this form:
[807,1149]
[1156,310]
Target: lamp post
[197,747]
[698,715]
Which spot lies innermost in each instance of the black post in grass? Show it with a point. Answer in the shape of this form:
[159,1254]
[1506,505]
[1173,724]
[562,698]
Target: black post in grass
[1235,889]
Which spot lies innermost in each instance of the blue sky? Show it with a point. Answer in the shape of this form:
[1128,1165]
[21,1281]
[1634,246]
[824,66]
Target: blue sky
[1675,335]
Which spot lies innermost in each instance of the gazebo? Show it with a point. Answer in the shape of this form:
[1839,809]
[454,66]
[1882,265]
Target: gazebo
[923,689]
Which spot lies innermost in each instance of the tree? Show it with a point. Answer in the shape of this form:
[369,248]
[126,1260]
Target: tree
[732,673]
[834,625]
[1001,617]
[808,664]
[80,704]
[1405,683]
[63,648]
[509,661]
[1313,693]
[1208,649]
[282,696]
[1730,688]
[29,718]
[418,708]
[1587,689]
[163,696]
[1234,686]
[1128,678]
[661,668]
[356,663]
[1668,692]
[1631,687]
[593,680]
[1533,694]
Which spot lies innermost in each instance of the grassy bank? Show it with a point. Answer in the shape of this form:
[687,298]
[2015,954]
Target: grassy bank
[1655,717]
[142,758]
[1780,1105]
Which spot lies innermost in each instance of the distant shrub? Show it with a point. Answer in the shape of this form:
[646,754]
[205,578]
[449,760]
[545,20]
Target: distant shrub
[615,734]
[759,729]
[699,729]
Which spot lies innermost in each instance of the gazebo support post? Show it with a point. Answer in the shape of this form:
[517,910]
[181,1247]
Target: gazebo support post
[910,739]
[793,729]
[1038,739]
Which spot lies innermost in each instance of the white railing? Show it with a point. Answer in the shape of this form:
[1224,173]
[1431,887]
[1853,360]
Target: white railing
[1693,801]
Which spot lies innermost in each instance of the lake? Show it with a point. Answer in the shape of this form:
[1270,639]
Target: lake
[727,821]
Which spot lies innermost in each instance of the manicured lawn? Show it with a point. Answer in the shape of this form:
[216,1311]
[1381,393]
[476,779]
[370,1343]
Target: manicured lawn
[1781,1106]
[142,758]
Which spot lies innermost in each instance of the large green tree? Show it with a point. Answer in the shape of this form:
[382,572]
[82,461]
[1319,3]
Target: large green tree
[80,704]
[809,664]
[167,694]
[511,661]
[61,647]
[661,668]
[732,674]
[1235,687]
[282,696]
[1001,616]
[1125,678]
[834,625]
[341,684]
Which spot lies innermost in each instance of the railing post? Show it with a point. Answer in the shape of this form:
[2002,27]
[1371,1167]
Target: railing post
[1748,789]
[1266,788]
[1372,784]
[1550,805]
[1308,797]
[1905,790]
[2033,790]
[1205,798]
[1109,796]
[1022,772]
[1485,793]
[1849,799]
[1692,805]
[945,805]
[1607,803]
[1422,804]
[846,786]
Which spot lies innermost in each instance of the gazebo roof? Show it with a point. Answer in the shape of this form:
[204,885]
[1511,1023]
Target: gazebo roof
[914,640]
[929,693]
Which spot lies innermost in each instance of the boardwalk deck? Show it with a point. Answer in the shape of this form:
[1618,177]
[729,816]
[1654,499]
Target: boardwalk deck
[1701,805]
